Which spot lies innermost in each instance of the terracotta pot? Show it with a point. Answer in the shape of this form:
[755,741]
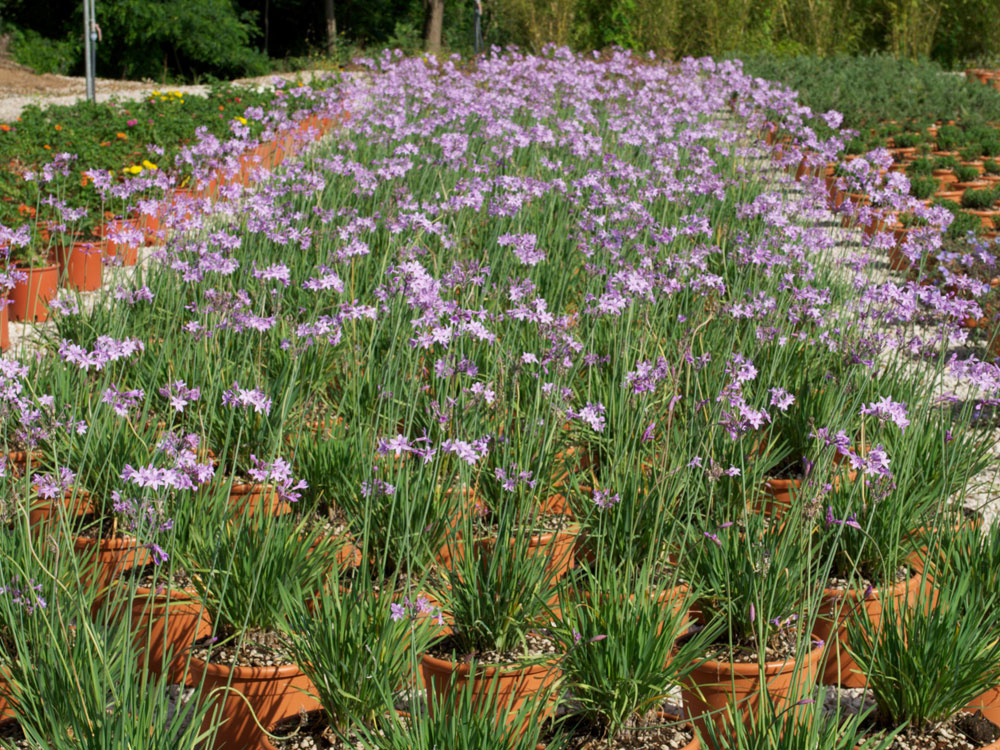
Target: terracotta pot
[573,459]
[878,224]
[988,217]
[836,606]
[18,461]
[917,560]
[169,622]
[80,265]
[719,687]
[6,712]
[46,516]
[974,185]
[129,254]
[165,623]
[149,225]
[949,195]
[513,686]
[257,499]
[30,298]
[945,177]
[242,693]
[988,703]
[4,326]
[102,561]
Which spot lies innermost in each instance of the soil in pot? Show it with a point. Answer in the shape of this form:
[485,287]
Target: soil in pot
[988,703]
[658,730]
[307,731]
[252,686]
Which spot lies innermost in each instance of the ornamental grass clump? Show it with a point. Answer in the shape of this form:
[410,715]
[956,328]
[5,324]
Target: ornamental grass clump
[358,645]
[244,569]
[757,581]
[468,721]
[619,634]
[500,593]
[927,660]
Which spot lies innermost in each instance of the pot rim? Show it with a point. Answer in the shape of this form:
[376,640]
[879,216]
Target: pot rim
[463,669]
[771,668]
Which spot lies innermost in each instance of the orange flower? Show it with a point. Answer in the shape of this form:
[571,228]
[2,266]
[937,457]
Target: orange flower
[84,180]
[121,136]
[58,127]
[47,147]
[105,143]
[5,128]
[221,108]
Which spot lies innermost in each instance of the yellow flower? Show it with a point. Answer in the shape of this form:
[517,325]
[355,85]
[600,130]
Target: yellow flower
[148,164]
[134,169]
[241,119]
[155,92]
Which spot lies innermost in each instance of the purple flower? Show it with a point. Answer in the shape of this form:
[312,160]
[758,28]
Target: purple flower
[781,399]
[51,486]
[245,397]
[122,402]
[179,394]
[605,499]
[887,410]
[524,247]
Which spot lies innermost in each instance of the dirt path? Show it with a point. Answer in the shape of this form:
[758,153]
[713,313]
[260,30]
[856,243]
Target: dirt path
[21,87]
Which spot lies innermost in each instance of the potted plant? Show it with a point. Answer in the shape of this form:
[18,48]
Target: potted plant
[496,599]
[38,277]
[619,634]
[926,663]
[757,582]
[966,554]
[868,525]
[980,203]
[245,572]
[357,645]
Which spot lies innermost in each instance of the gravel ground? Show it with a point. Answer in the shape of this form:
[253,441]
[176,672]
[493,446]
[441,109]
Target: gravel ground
[20,87]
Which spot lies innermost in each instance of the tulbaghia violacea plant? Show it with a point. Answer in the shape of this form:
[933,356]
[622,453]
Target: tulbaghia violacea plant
[619,636]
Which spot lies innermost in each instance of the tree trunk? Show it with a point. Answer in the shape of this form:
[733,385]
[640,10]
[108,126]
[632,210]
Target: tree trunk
[331,27]
[433,21]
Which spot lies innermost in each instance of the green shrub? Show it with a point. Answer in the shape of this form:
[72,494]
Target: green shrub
[923,187]
[45,55]
[920,168]
[966,173]
[950,137]
[978,199]
[971,152]
[907,140]
[945,162]
[992,166]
